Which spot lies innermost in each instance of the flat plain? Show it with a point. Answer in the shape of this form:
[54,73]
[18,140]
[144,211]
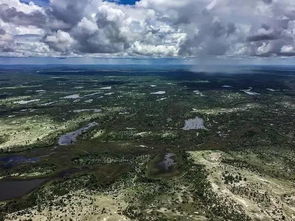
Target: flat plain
[125,143]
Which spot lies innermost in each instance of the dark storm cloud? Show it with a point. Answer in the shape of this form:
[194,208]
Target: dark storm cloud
[287,54]
[210,39]
[68,11]
[91,29]
[263,37]
[106,39]
[12,15]
[150,27]
[2,31]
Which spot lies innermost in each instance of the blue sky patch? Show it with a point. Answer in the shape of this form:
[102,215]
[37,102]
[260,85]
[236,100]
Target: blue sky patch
[46,2]
[124,2]
[37,2]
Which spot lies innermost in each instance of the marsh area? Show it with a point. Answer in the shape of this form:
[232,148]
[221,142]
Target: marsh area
[137,143]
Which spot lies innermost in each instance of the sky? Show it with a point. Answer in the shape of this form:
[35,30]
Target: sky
[147,28]
[46,2]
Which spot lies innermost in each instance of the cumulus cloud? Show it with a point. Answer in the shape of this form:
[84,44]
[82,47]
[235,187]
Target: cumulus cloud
[198,28]
[60,41]
[10,14]
[2,31]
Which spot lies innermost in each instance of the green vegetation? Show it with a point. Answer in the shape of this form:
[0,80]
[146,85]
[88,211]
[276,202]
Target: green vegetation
[239,167]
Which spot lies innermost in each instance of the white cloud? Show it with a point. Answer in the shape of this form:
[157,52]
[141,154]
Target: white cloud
[151,27]
[156,50]
[287,49]
[61,41]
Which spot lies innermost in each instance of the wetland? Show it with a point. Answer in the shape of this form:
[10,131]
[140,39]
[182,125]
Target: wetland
[137,143]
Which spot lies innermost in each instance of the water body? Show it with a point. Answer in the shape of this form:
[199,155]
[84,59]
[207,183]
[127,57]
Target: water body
[10,189]
[197,92]
[11,161]
[71,137]
[271,90]
[250,92]
[159,92]
[15,188]
[194,124]
[167,163]
[106,88]
[226,86]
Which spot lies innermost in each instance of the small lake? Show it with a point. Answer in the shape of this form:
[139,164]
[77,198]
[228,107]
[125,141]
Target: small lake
[10,189]
[163,165]
[15,188]
[11,161]
[167,163]
[196,123]
[71,137]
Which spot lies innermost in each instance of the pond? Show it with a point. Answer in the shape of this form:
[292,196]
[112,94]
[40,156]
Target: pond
[15,188]
[10,189]
[71,137]
[11,161]
[167,163]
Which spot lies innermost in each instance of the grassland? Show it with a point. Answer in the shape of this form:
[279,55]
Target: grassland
[238,165]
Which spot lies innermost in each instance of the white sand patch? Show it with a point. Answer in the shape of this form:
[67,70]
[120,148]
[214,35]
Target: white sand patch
[73,96]
[194,124]
[197,92]
[159,92]
[250,92]
[71,137]
[87,110]
[89,101]
[106,88]
[26,102]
